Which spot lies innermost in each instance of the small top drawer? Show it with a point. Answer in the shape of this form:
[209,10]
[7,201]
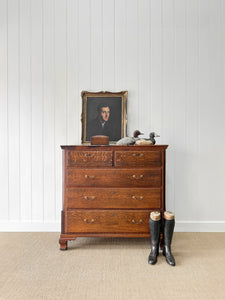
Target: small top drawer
[138,159]
[89,158]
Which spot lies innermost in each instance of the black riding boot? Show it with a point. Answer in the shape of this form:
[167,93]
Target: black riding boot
[154,225]
[169,224]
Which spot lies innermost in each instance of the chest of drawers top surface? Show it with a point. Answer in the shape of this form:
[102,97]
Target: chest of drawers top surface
[114,147]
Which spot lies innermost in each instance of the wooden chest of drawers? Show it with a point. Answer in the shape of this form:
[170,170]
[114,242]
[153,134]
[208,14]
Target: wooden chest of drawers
[110,190]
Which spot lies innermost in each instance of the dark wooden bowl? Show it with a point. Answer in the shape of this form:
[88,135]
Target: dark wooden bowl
[99,140]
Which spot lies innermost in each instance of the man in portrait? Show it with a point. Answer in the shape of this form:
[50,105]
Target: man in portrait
[103,124]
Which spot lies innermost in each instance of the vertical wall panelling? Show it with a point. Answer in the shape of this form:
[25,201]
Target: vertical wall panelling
[180,103]
[217,98]
[13,110]
[73,92]
[37,109]
[168,84]
[192,129]
[120,45]
[61,109]
[169,55]
[25,108]
[206,128]
[205,97]
[4,176]
[132,60]
[156,66]
[96,36]
[49,110]
[108,51]
[144,65]
[221,139]
[84,46]
[211,106]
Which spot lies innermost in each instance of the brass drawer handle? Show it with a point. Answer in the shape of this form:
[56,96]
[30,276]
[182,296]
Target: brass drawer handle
[140,221]
[86,221]
[89,199]
[90,177]
[89,154]
[135,198]
[138,154]
[140,177]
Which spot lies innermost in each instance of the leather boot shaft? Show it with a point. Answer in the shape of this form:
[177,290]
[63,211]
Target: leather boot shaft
[155,237]
[167,239]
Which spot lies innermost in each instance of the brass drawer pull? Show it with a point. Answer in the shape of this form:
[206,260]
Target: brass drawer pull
[138,154]
[89,154]
[140,221]
[89,199]
[86,221]
[135,198]
[90,177]
[140,177]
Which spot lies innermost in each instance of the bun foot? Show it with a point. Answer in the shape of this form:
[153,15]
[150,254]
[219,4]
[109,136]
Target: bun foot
[63,244]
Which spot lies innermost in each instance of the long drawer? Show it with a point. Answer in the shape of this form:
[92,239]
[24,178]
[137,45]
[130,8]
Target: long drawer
[114,177]
[113,198]
[107,221]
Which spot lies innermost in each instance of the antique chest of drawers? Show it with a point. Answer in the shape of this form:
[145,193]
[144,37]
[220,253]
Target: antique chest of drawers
[109,191]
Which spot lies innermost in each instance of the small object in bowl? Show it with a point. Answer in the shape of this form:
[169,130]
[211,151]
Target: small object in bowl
[99,140]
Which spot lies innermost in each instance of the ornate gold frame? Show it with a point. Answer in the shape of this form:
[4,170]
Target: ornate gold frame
[86,94]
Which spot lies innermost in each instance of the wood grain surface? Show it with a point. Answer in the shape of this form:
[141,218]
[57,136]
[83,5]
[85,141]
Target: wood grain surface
[111,190]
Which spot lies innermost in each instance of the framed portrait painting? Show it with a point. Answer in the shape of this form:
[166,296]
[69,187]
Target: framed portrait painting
[104,113]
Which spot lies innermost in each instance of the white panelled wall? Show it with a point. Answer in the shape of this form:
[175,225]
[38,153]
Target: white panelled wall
[168,54]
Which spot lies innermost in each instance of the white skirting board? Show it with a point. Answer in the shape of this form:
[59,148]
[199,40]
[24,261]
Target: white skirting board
[26,226]
[200,226]
[181,226]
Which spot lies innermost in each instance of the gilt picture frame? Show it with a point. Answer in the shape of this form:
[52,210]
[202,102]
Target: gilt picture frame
[104,113]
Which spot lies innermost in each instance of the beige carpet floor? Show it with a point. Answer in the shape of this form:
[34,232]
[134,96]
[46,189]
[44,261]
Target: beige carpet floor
[33,267]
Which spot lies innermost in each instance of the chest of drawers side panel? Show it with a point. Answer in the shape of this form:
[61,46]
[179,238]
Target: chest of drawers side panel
[162,204]
[64,191]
